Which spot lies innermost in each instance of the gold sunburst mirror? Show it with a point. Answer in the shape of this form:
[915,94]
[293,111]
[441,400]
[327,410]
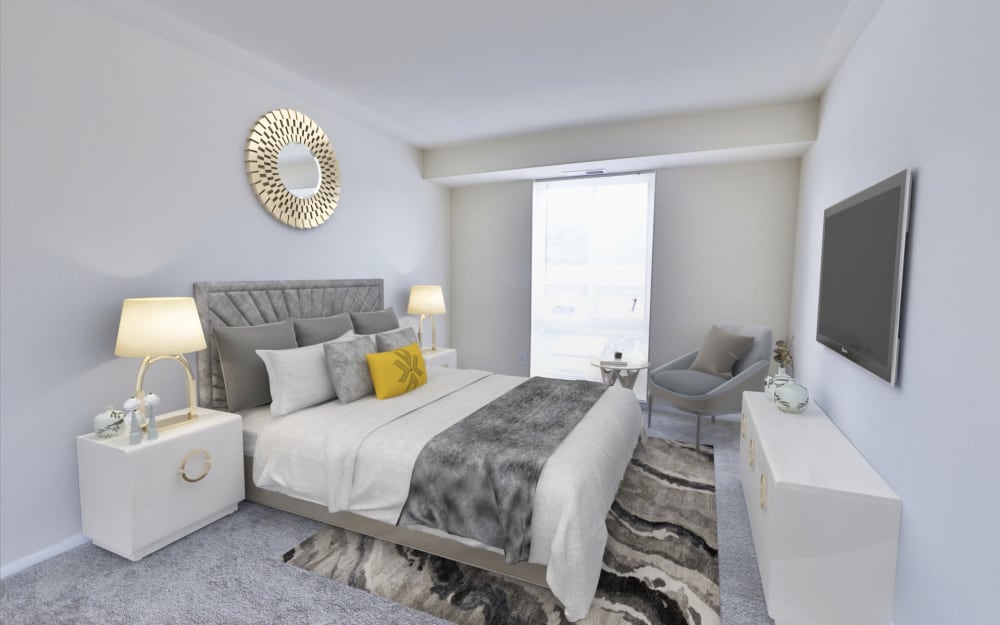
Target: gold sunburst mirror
[293,169]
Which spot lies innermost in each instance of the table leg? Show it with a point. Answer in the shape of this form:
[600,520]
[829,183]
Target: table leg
[609,376]
[627,377]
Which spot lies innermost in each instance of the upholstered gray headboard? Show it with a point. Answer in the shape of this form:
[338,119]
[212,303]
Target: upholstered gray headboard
[254,303]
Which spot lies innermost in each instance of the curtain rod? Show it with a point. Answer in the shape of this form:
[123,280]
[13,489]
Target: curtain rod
[621,175]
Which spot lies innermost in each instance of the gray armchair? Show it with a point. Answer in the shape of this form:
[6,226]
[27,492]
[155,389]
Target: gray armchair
[704,394]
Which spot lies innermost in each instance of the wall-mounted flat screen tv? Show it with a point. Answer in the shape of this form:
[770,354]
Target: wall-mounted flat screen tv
[861,275]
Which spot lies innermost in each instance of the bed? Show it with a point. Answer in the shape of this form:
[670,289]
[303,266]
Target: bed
[349,465]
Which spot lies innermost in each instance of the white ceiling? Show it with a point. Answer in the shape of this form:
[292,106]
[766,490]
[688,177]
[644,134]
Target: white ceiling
[458,71]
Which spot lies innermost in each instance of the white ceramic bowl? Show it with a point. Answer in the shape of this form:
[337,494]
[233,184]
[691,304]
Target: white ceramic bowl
[791,397]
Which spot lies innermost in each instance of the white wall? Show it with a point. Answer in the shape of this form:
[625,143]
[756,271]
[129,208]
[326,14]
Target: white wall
[491,276]
[123,176]
[722,250]
[920,90]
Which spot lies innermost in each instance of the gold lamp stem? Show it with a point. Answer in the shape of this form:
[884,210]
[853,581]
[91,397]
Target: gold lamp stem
[420,331]
[434,335]
[192,413]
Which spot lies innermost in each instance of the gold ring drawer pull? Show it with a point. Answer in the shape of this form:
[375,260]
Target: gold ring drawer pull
[763,492]
[743,426]
[752,454]
[207,466]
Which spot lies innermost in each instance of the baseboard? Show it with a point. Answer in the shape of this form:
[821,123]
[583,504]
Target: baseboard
[39,556]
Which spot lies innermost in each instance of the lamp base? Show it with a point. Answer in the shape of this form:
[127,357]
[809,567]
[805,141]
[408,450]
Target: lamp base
[172,422]
[180,419]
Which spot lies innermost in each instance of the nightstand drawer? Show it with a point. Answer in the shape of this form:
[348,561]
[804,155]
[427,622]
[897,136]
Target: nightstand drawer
[441,357]
[134,499]
[166,502]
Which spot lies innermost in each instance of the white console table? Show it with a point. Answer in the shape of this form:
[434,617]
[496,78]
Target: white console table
[825,525]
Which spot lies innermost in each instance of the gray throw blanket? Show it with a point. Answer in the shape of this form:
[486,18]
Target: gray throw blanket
[477,478]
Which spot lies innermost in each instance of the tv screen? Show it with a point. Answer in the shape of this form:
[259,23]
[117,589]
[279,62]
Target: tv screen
[861,274]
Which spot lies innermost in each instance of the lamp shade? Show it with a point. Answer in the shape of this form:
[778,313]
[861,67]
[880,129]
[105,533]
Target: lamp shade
[426,300]
[159,326]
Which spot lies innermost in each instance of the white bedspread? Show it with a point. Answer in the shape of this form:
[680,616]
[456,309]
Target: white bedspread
[360,456]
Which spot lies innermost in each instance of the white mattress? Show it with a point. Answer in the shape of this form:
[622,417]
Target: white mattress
[254,422]
[360,456]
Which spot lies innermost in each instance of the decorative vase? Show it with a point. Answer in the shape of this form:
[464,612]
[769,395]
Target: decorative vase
[109,423]
[772,382]
[791,397]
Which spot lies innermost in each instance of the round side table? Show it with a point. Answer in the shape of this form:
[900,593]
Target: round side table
[624,371]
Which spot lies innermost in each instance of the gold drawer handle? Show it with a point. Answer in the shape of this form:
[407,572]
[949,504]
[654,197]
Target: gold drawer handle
[743,426]
[763,492]
[183,468]
[752,454]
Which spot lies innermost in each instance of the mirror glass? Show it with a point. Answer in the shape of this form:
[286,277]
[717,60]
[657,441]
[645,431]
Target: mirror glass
[299,170]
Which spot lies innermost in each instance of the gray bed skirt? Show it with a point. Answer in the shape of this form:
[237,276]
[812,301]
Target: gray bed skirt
[415,539]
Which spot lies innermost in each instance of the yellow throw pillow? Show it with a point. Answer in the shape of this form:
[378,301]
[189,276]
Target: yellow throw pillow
[398,371]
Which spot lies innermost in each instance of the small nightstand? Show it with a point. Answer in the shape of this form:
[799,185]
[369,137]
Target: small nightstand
[136,499]
[441,357]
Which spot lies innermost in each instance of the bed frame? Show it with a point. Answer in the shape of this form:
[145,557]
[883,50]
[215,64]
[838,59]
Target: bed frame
[253,303]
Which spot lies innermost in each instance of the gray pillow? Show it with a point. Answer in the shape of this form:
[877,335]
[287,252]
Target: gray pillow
[321,329]
[298,378]
[243,371]
[388,341]
[719,352]
[374,322]
[348,368]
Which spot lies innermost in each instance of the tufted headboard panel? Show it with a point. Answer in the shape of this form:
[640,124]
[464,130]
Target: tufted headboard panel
[254,303]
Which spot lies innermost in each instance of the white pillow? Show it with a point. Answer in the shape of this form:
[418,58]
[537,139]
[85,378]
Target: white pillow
[298,378]
[410,321]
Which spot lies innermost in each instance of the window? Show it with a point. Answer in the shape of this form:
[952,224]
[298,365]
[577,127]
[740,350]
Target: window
[590,273]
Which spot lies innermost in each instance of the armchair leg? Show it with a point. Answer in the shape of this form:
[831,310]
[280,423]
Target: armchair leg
[649,409]
[713,418]
[697,434]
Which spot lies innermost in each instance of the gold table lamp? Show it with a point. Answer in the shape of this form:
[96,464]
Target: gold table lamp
[426,300]
[157,328]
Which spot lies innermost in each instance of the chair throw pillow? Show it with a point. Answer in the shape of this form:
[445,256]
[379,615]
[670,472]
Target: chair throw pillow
[719,352]
[348,369]
[374,322]
[397,372]
[298,378]
[243,371]
[321,329]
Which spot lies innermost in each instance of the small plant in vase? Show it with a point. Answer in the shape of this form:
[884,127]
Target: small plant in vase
[782,356]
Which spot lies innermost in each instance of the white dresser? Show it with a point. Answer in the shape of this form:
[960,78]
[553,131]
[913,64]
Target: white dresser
[825,525]
[136,499]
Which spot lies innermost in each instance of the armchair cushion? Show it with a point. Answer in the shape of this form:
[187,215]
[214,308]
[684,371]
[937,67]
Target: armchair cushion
[687,381]
[719,352]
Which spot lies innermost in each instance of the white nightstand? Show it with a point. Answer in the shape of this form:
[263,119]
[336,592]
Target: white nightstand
[136,499]
[441,357]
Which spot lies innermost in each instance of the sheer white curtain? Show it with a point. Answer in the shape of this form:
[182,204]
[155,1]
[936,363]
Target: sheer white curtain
[590,273]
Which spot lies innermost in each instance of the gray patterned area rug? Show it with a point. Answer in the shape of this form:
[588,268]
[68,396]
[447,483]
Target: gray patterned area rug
[660,566]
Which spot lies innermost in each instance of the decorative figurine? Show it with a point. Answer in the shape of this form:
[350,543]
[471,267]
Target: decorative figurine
[109,423]
[151,400]
[131,406]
